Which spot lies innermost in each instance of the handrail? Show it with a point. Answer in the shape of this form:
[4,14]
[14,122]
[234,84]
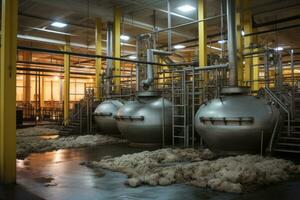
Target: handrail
[281,104]
[273,134]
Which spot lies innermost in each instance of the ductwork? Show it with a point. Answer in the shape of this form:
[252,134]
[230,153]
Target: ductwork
[109,52]
[231,43]
[147,83]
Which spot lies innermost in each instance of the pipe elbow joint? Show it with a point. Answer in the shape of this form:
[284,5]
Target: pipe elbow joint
[147,83]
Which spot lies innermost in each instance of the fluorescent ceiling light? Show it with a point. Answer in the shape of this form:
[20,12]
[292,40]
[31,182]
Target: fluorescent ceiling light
[243,32]
[278,49]
[124,37]
[215,48]
[186,8]
[221,41]
[179,46]
[51,31]
[59,24]
[132,57]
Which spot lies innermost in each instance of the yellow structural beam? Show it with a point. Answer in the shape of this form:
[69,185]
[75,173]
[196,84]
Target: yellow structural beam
[98,60]
[117,49]
[8,91]
[42,89]
[27,56]
[247,25]
[239,39]
[66,82]
[255,70]
[202,37]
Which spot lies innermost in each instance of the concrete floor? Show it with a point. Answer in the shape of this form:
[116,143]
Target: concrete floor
[58,175]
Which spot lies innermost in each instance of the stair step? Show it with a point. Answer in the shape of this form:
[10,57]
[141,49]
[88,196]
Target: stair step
[178,126]
[290,138]
[292,128]
[179,116]
[177,136]
[288,144]
[286,151]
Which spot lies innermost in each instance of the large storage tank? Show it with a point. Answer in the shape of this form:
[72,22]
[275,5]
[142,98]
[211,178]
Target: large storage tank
[104,116]
[235,122]
[141,121]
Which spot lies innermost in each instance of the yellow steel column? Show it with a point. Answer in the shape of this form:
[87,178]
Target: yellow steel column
[247,22]
[202,34]
[255,69]
[98,60]
[42,85]
[117,49]
[8,91]
[66,82]
[239,42]
[27,56]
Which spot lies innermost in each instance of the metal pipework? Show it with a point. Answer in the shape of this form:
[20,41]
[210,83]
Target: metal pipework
[231,44]
[150,58]
[109,52]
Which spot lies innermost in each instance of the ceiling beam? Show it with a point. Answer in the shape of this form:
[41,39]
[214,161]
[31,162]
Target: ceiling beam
[104,13]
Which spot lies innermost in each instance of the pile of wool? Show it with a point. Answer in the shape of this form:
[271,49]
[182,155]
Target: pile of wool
[201,168]
[37,131]
[34,144]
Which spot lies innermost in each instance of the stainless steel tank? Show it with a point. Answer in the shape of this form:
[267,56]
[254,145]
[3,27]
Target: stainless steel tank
[104,116]
[141,121]
[235,122]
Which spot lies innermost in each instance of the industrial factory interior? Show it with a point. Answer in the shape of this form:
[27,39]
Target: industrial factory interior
[150,99]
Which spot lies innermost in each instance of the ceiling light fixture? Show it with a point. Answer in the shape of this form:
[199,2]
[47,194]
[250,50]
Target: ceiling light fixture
[132,57]
[59,24]
[221,41]
[124,37]
[51,31]
[243,32]
[186,8]
[278,49]
[179,46]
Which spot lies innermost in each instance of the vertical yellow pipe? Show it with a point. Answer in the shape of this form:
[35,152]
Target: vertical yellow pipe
[239,40]
[27,56]
[202,34]
[247,22]
[98,60]
[66,82]
[8,91]
[117,49]
[42,89]
[255,69]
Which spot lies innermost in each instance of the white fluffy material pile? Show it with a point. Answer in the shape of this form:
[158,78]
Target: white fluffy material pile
[197,167]
[36,131]
[27,145]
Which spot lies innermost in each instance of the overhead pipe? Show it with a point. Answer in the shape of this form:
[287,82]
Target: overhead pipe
[25,48]
[232,44]
[147,83]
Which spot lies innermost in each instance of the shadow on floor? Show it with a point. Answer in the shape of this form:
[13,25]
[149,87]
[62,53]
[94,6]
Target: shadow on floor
[16,192]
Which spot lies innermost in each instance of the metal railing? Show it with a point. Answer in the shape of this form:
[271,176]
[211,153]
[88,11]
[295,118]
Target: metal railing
[281,104]
[273,134]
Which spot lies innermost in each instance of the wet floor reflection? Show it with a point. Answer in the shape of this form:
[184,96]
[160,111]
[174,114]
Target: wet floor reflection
[58,175]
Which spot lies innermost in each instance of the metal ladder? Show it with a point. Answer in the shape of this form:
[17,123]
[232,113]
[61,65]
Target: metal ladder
[195,98]
[180,133]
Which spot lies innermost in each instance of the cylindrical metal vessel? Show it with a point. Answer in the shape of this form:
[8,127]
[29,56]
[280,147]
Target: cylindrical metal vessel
[236,123]
[143,121]
[104,116]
